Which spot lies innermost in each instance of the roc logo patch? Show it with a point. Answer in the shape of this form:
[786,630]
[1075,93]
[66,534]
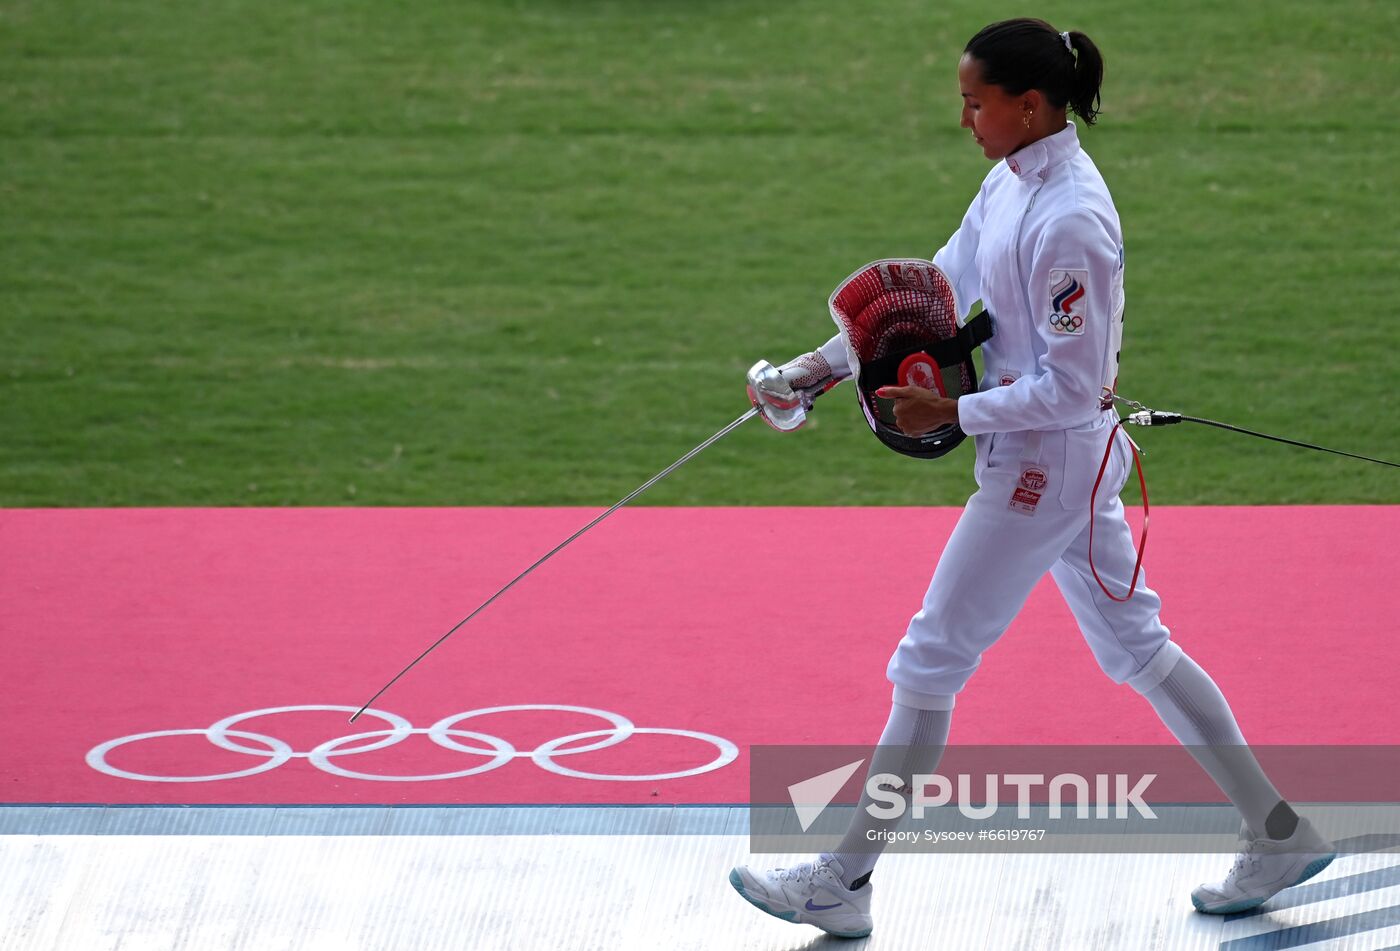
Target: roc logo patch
[1067,301]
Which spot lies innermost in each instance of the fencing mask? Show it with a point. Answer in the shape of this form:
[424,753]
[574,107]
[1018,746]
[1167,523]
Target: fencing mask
[899,320]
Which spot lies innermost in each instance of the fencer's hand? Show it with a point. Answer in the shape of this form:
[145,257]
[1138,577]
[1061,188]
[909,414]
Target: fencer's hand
[917,410]
[809,374]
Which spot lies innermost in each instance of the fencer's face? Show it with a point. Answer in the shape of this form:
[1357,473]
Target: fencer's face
[996,118]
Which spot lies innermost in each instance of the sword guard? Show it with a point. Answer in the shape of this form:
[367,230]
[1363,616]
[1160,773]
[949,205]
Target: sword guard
[781,407]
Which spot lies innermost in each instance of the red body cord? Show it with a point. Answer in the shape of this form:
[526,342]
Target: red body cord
[1093,499]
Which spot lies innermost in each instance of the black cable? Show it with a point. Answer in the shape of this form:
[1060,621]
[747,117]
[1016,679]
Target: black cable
[1152,417]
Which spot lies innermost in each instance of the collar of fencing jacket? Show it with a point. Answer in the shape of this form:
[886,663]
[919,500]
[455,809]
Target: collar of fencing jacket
[1033,160]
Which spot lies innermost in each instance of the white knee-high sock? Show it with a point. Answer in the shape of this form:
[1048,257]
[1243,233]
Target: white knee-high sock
[912,742]
[1194,709]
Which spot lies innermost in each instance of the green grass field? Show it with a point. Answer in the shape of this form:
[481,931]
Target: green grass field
[344,253]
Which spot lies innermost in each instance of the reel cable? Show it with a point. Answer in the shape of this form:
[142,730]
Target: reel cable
[1146,416]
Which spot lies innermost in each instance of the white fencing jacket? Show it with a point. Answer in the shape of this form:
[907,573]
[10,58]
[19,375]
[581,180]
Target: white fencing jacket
[1042,248]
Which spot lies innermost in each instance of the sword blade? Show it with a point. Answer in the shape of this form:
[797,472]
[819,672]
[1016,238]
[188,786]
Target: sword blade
[564,544]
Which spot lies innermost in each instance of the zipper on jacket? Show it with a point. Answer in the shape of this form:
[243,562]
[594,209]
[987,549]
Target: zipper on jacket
[1020,227]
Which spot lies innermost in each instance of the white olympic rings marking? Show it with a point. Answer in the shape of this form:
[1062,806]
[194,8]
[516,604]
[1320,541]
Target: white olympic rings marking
[497,750]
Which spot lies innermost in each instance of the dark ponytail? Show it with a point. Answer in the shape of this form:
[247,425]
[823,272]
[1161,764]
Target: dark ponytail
[1025,54]
[1088,77]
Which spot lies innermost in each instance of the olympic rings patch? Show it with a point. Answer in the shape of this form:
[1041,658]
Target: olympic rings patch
[495,750]
[1067,303]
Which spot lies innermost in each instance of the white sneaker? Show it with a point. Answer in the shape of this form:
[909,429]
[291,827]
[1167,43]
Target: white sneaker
[811,894]
[1265,868]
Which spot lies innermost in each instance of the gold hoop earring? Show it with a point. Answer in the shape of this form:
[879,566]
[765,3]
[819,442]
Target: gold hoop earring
[1027,117]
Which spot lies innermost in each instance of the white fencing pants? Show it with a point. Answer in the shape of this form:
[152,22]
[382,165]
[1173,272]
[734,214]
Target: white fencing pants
[1030,515]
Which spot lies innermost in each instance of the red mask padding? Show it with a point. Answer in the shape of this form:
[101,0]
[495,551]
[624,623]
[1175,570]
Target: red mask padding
[896,309]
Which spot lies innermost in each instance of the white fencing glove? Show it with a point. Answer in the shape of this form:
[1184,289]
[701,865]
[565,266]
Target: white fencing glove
[783,395]
[814,373]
